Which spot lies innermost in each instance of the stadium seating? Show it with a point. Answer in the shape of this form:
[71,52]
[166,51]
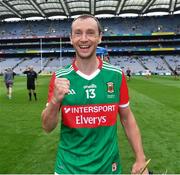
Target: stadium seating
[110,26]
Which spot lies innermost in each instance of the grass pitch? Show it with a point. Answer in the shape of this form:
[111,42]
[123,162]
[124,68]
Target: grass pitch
[25,148]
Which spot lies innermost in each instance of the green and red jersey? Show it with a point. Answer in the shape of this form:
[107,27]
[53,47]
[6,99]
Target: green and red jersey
[88,141]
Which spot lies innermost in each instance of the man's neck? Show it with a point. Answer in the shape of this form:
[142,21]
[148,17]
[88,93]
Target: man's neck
[87,66]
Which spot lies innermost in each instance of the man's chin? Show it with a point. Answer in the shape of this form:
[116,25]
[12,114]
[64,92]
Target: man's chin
[84,56]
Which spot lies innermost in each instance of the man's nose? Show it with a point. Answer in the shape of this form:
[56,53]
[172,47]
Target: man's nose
[84,36]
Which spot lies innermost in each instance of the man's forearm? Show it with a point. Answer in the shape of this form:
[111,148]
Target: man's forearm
[50,116]
[134,138]
[133,133]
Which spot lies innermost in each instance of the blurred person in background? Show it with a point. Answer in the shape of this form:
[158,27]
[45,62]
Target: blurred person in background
[128,73]
[8,79]
[176,72]
[31,82]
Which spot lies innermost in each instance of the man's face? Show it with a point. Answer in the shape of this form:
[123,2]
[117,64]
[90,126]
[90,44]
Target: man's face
[30,68]
[85,37]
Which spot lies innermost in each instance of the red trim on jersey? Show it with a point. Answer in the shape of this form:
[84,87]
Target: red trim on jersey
[89,116]
[100,63]
[76,68]
[51,87]
[124,95]
[74,65]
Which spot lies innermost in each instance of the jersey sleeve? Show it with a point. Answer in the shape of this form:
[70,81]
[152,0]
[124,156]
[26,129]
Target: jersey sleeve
[51,87]
[124,95]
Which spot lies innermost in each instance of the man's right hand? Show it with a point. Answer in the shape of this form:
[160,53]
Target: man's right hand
[61,88]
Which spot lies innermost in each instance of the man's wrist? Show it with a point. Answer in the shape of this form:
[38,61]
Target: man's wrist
[55,102]
[141,158]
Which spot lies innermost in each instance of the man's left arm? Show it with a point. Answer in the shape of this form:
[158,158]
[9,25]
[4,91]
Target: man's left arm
[134,137]
[35,78]
[131,128]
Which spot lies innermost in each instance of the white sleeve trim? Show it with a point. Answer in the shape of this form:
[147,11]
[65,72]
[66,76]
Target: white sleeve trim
[124,105]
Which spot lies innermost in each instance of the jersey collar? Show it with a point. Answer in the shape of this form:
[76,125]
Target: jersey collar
[88,77]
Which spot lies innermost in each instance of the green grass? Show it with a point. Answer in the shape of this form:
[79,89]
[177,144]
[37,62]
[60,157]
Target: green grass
[25,148]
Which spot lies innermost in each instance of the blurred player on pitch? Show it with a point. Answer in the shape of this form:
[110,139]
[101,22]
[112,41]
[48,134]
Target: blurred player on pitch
[8,79]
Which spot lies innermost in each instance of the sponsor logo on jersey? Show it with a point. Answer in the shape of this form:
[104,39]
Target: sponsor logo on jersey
[89,109]
[71,92]
[90,120]
[110,87]
[66,110]
[89,116]
[92,86]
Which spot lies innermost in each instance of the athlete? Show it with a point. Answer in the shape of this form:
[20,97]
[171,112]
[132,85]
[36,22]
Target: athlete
[8,79]
[31,82]
[128,73]
[90,93]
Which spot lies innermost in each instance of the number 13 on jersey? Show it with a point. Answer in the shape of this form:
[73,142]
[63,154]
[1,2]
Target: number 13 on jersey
[90,93]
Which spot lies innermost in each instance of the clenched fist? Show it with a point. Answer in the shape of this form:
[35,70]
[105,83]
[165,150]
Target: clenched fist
[61,87]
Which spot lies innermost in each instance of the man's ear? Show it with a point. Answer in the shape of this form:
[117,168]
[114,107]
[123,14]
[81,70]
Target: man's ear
[70,37]
[100,38]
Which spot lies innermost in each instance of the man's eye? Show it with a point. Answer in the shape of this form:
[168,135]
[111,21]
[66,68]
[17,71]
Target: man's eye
[77,33]
[91,33]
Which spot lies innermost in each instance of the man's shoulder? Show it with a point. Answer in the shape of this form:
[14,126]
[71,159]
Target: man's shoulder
[64,70]
[111,68]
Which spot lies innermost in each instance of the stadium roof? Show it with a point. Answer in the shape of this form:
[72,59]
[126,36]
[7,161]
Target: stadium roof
[47,8]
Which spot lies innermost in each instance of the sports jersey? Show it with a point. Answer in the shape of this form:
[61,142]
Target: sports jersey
[88,140]
[8,77]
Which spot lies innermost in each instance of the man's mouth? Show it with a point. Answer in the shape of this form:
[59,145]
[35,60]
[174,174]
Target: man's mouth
[84,47]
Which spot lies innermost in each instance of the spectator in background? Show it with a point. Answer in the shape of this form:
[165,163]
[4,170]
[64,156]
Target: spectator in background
[128,73]
[31,82]
[106,58]
[176,72]
[8,79]
[147,73]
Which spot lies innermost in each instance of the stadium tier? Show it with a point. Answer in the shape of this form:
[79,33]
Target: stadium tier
[139,43]
[110,26]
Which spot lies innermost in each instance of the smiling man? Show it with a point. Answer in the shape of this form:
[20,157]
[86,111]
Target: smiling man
[90,94]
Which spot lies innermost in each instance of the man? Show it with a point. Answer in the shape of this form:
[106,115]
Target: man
[128,73]
[147,73]
[8,79]
[90,93]
[102,53]
[31,82]
[176,72]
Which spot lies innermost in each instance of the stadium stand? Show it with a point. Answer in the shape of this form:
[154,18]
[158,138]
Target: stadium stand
[6,63]
[143,42]
[173,61]
[125,62]
[116,26]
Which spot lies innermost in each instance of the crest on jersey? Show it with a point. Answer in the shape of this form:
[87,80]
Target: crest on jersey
[110,87]
[114,167]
